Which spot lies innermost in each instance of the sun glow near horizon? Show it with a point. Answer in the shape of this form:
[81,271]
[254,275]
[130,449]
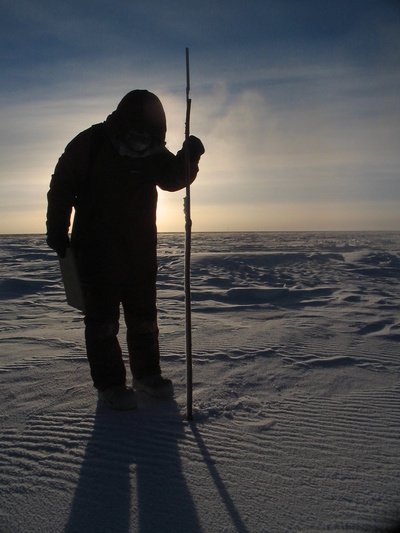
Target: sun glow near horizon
[242,217]
[303,138]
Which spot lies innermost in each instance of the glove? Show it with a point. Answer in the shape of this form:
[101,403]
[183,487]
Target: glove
[196,148]
[59,243]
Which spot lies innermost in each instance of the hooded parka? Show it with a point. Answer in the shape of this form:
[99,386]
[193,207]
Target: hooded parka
[109,173]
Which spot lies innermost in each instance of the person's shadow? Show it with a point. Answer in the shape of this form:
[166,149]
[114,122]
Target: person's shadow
[131,477]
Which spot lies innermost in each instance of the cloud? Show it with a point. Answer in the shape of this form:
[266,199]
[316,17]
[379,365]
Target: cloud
[296,107]
[324,134]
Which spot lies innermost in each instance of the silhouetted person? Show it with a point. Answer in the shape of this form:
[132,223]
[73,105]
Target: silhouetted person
[109,174]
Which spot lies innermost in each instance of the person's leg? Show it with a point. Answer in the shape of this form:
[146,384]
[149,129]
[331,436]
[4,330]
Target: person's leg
[103,350]
[140,312]
[142,337]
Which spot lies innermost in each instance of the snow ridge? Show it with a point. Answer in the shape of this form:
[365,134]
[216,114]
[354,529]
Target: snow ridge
[296,393]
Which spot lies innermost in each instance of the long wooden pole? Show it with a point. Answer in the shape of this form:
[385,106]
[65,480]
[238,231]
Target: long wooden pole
[188,239]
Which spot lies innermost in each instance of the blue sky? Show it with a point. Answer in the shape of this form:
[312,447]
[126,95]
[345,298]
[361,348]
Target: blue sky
[296,101]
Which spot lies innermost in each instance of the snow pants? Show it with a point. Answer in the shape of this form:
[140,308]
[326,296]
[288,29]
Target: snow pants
[102,326]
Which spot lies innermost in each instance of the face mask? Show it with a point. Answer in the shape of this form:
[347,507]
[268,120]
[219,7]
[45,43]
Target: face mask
[137,142]
[139,145]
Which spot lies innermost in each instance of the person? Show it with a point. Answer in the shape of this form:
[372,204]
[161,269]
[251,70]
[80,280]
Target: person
[109,174]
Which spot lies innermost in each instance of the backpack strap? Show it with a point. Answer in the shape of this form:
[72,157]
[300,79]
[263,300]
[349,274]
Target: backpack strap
[97,135]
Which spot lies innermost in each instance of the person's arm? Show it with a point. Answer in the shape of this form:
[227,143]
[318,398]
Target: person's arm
[69,174]
[170,168]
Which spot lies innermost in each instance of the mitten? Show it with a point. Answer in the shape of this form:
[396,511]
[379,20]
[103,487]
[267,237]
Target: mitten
[58,242]
[196,148]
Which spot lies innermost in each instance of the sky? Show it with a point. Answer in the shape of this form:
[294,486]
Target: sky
[296,101]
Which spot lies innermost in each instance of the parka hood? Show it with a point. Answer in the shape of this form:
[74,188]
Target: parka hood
[141,111]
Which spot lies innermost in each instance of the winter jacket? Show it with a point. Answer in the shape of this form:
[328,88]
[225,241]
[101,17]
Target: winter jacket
[115,199]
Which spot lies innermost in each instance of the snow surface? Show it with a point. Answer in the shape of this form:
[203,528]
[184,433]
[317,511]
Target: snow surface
[296,393]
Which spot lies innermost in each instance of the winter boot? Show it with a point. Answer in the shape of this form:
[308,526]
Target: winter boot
[120,398]
[155,386]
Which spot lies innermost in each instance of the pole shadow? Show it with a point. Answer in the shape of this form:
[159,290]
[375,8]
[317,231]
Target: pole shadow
[130,454]
[237,521]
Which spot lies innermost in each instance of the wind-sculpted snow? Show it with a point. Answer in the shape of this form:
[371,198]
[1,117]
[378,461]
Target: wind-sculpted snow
[296,393]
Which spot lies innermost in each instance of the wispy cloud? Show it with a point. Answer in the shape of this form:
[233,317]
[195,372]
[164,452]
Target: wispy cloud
[297,103]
